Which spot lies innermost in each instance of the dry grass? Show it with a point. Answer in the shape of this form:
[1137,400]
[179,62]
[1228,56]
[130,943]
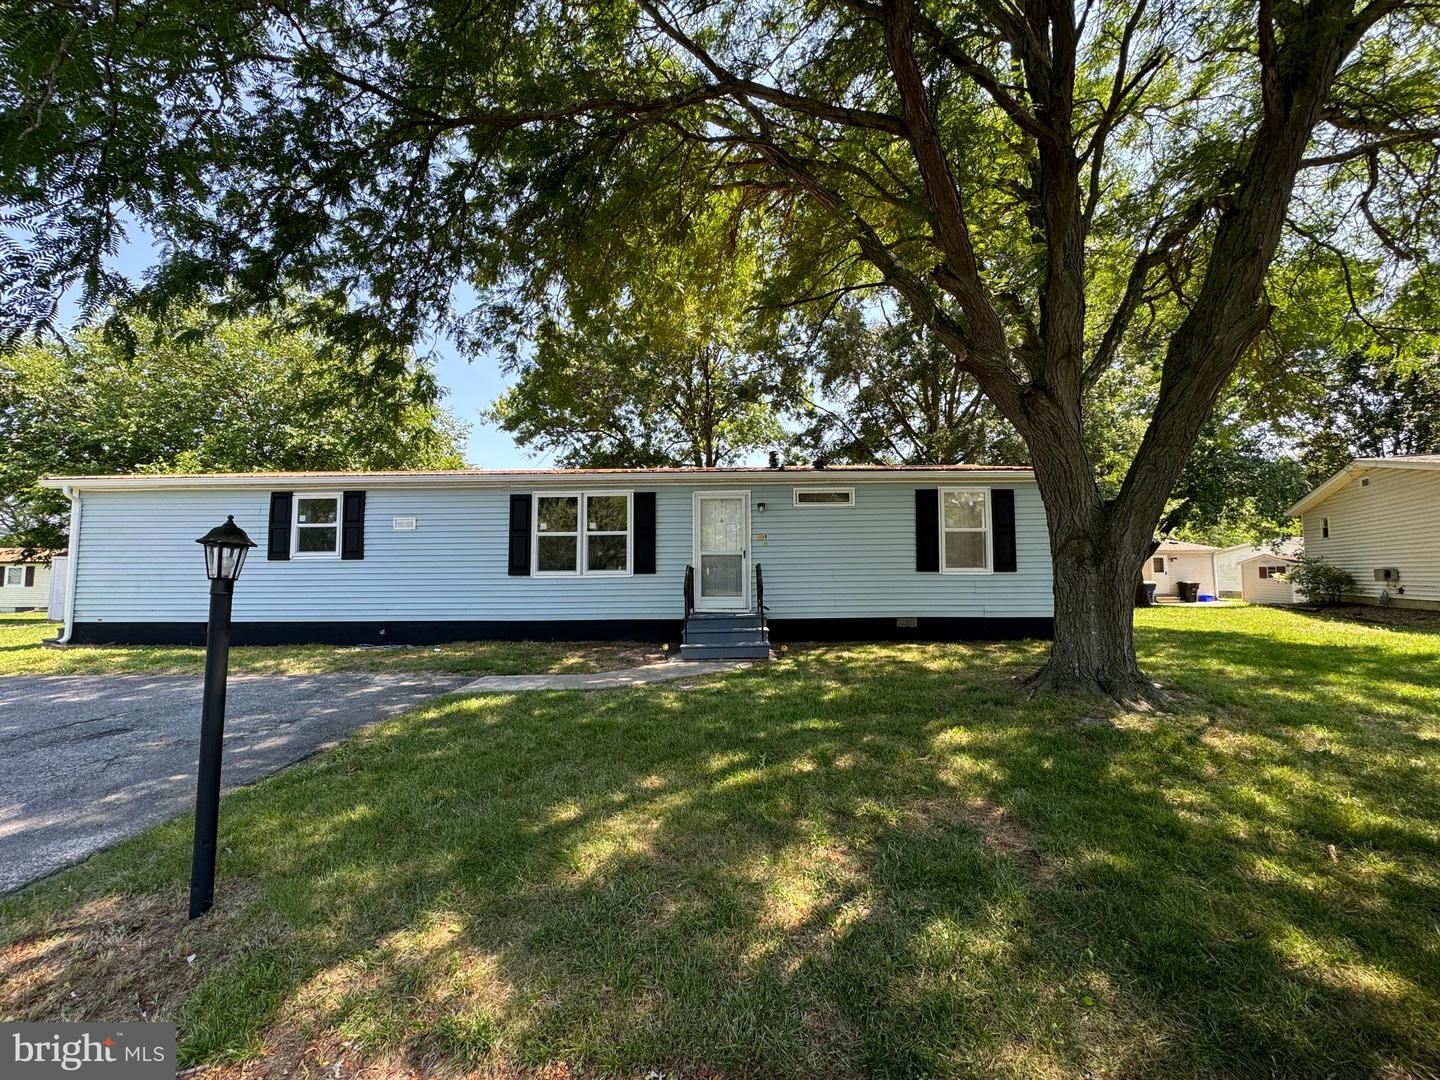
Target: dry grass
[21,653]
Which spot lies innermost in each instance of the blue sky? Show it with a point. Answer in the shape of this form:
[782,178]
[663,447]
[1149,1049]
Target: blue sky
[472,386]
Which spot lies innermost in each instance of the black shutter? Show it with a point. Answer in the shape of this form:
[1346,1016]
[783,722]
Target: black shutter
[644,532]
[279,546]
[29,577]
[927,530]
[352,517]
[1002,510]
[520,535]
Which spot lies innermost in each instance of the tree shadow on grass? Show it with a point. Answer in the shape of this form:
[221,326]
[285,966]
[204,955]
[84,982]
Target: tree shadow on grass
[878,861]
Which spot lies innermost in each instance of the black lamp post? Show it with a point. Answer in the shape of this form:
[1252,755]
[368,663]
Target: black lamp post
[225,548]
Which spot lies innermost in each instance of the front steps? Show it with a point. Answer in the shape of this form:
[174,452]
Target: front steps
[716,635]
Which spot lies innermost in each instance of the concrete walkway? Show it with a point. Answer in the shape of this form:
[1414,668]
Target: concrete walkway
[603,680]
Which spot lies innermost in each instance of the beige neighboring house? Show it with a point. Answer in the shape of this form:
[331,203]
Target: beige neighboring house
[1175,561]
[1379,518]
[1261,580]
[1228,560]
[25,583]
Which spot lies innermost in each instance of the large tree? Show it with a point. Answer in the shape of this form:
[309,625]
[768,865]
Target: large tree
[673,365]
[888,391]
[186,395]
[1044,184]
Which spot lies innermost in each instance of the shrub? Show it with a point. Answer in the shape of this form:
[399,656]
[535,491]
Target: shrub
[1320,582]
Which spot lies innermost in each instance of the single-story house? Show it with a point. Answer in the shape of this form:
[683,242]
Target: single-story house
[1261,580]
[1228,560]
[1379,518]
[1175,561]
[844,552]
[25,582]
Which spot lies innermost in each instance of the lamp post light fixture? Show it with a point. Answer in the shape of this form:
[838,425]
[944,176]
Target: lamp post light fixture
[225,549]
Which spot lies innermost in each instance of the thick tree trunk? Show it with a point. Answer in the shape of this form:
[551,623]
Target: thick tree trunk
[1094,647]
[1097,555]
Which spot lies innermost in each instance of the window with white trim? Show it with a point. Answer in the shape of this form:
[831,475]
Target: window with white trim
[964,530]
[824,496]
[1325,528]
[1157,564]
[582,533]
[315,529]
[15,575]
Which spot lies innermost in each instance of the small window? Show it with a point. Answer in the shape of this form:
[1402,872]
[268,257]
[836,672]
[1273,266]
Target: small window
[582,533]
[1268,572]
[965,529]
[14,575]
[1325,527]
[316,534]
[824,496]
[1157,564]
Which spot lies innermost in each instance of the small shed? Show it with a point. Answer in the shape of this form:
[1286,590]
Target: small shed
[1261,580]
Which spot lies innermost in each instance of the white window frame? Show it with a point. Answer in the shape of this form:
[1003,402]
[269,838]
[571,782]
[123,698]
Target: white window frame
[5,577]
[296,526]
[989,531]
[848,492]
[582,534]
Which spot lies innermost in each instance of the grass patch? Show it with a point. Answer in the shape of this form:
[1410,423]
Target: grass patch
[857,861]
[22,654]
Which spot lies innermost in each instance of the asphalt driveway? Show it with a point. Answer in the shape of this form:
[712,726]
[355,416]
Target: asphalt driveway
[86,760]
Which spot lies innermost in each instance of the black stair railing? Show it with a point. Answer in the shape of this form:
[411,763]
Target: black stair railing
[760,595]
[689,603]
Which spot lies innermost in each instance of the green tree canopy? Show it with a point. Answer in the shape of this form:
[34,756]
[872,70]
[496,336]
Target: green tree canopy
[1049,187]
[671,366]
[240,396]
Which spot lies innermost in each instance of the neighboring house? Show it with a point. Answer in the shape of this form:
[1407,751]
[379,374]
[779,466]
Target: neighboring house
[25,583]
[1261,580]
[1379,518]
[419,557]
[1175,561]
[1228,560]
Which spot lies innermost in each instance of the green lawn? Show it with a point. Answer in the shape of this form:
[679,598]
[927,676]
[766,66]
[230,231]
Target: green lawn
[857,861]
[22,654]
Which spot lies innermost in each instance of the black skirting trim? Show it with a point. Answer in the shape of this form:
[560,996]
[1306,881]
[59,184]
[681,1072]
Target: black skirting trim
[926,628]
[646,630]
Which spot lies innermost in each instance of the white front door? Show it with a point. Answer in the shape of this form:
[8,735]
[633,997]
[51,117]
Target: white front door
[722,551]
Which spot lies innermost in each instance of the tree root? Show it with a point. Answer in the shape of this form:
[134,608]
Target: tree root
[1130,692]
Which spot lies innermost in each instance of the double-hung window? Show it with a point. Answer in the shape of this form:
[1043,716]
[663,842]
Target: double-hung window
[14,575]
[965,530]
[582,533]
[315,532]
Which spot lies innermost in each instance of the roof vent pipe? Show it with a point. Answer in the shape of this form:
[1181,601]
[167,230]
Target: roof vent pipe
[775,462]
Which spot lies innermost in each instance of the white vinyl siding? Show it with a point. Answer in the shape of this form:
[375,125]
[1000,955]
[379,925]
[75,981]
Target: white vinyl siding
[1394,521]
[1260,587]
[138,561]
[14,594]
[1193,566]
